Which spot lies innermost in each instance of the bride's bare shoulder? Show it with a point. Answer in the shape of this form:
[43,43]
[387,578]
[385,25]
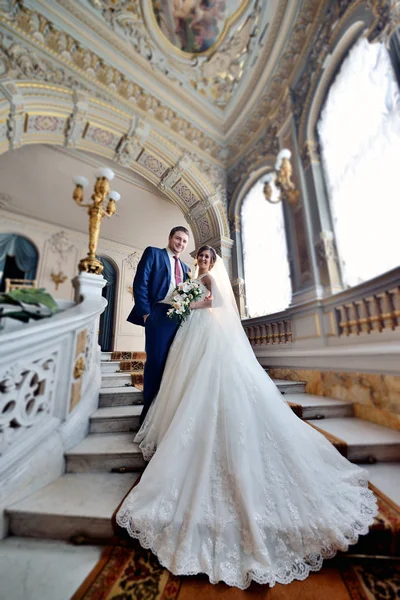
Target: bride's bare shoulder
[207,280]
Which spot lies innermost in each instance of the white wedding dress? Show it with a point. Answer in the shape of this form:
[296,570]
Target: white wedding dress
[237,487]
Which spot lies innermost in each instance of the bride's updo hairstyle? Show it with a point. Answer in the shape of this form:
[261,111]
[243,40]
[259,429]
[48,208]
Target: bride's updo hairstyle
[213,254]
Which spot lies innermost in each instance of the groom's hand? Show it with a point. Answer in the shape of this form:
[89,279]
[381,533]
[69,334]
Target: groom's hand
[145,317]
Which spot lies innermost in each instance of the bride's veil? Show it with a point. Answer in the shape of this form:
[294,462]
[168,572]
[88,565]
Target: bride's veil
[224,305]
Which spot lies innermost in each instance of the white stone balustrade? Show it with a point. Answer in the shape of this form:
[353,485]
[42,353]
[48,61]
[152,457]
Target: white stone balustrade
[49,385]
[358,328]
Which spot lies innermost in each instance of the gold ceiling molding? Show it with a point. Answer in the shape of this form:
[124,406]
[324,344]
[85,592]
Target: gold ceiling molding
[20,62]
[214,74]
[303,32]
[274,29]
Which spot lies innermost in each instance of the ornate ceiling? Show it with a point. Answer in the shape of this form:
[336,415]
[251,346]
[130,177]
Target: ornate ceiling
[215,88]
[207,75]
[213,78]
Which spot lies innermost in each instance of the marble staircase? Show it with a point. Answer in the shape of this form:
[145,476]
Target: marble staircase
[101,469]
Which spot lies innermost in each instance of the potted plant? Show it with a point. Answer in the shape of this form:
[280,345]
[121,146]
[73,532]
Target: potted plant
[27,303]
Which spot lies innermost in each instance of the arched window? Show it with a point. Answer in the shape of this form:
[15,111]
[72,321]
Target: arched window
[266,268]
[18,258]
[359,132]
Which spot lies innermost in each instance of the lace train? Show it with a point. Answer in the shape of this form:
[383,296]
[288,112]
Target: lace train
[237,486]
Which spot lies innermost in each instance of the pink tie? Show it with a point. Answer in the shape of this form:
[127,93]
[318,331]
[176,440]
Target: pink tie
[178,278]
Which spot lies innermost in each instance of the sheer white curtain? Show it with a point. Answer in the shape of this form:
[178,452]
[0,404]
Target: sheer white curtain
[359,133]
[266,267]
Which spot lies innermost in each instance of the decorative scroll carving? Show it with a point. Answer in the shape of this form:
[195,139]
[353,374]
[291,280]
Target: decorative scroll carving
[132,261]
[26,397]
[266,146]
[173,174]
[325,246]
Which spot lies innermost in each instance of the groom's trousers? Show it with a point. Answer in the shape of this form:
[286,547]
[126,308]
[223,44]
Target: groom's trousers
[160,332]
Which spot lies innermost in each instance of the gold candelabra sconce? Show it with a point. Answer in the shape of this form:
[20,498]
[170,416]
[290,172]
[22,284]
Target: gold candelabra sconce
[58,278]
[96,211]
[281,180]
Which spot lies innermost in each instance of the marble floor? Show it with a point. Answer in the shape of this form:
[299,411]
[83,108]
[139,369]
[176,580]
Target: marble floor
[43,570]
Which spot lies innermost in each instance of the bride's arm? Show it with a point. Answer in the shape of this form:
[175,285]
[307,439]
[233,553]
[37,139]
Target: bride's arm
[207,303]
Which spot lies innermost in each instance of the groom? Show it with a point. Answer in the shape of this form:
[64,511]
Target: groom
[158,273]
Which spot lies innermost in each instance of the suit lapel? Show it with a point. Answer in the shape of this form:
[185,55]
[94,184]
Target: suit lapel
[168,264]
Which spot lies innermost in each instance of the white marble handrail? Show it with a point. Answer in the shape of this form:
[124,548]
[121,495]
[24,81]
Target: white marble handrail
[49,369]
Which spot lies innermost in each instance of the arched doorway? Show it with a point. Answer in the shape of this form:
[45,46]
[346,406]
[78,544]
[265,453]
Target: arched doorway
[18,258]
[106,329]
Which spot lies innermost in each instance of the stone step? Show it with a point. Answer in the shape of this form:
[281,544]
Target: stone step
[290,387]
[111,366]
[386,477]
[114,380]
[120,396]
[105,356]
[105,452]
[366,442]
[115,418]
[310,406]
[33,569]
[73,505]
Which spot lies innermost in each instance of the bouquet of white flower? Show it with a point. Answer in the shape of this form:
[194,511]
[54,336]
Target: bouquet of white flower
[184,294]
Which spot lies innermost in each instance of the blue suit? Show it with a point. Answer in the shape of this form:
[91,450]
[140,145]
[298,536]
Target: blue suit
[151,284]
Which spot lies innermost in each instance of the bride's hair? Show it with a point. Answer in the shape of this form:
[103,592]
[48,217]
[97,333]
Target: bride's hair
[213,254]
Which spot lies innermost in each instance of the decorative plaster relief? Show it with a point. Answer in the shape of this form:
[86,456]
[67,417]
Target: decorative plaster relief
[45,124]
[17,61]
[132,261]
[185,193]
[152,163]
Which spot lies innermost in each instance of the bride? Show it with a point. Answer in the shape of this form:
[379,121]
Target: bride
[238,487]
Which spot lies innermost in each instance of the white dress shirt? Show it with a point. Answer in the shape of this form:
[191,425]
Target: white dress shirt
[172,283]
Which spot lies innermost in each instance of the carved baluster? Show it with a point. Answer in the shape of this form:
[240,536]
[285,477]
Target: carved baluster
[374,314]
[387,310]
[263,334]
[257,335]
[288,327]
[251,336]
[353,318]
[343,322]
[270,334]
[363,316]
[275,329]
[396,306]
[282,333]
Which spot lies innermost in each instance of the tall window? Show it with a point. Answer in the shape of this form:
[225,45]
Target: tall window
[359,133]
[266,267]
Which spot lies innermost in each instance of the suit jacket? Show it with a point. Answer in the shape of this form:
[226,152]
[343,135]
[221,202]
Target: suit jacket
[151,283]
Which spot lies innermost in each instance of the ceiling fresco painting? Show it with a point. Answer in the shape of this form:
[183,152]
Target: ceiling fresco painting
[196,26]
